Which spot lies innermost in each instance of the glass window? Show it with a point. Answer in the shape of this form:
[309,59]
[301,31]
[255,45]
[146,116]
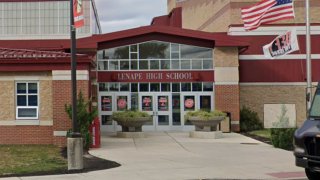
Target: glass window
[144,87]
[196,64]
[27,100]
[102,65]
[185,86]
[133,48]
[143,64]
[106,120]
[185,64]
[117,53]
[175,55]
[175,64]
[174,47]
[193,52]
[124,65]
[175,87]
[134,87]
[196,86]
[134,101]
[165,87]
[114,65]
[154,64]
[207,64]
[205,103]
[208,86]
[154,87]
[114,87]
[154,50]
[133,56]
[165,64]
[134,65]
[103,86]
[124,86]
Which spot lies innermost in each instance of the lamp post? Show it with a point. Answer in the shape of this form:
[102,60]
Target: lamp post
[308,54]
[75,144]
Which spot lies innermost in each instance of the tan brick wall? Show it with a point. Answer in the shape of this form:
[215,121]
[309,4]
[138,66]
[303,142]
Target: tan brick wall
[62,96]
[217,15]
[7,104]
[45,101]
[227,99]
[255,97]
[170,5]
[226,57]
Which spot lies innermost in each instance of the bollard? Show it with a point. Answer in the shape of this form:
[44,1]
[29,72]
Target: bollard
[75,153]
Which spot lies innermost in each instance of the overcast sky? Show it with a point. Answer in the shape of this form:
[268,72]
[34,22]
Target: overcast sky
[117,15]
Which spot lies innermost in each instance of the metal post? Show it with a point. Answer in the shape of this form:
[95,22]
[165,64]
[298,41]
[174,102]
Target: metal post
[75,143]
[308,54]
[75,131]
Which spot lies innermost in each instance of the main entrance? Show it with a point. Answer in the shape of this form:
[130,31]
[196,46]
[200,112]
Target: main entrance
[166,108]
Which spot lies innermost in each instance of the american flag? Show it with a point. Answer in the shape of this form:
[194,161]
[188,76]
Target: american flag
[265,12]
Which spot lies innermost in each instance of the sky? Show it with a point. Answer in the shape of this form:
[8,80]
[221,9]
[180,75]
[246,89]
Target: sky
[118,15]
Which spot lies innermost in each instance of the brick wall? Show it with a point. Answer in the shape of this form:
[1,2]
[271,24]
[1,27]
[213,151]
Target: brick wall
[227,99]
[62,96]
[255,97]
[26,135]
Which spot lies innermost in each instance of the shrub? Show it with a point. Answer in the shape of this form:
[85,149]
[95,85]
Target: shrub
[249,120]
[204,115]
[129,115]
[84,118]
[282,138]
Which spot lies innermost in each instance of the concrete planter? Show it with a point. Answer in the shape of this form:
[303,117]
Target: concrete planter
[206,125]
[132,124]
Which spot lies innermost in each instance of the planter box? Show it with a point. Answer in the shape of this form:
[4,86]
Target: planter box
[206,125]
[132,125]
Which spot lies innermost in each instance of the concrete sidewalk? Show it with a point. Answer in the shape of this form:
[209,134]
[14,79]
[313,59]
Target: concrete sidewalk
[166,156]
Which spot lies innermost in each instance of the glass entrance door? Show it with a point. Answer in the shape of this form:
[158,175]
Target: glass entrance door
[159,107]
[109,103]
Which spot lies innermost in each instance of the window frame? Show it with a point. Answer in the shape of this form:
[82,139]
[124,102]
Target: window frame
[17,108]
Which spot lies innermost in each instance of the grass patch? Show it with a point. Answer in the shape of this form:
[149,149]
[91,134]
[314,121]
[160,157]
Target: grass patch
[30,159]
[266,133]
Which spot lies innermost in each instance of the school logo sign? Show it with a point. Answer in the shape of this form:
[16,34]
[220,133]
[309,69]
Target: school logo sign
[282,45]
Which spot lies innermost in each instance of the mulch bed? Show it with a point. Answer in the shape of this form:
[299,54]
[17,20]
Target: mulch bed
[258,138]
[91,163]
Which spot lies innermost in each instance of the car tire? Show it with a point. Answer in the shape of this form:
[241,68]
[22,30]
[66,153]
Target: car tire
[312,175]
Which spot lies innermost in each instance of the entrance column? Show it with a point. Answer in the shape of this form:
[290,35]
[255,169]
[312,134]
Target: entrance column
[227,90]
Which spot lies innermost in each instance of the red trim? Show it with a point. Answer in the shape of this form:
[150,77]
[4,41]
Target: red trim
[156,76]
[167,33]
[277,71]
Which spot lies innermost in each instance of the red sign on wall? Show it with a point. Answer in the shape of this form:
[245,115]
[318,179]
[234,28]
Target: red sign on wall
[156,76]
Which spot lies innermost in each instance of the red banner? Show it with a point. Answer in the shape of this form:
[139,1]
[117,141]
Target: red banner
[78,13]
[156,76]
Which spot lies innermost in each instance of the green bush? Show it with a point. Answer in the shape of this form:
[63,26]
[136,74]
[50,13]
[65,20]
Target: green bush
[249,120]
[282,138]
[84,118]
[129,115]
[205,115]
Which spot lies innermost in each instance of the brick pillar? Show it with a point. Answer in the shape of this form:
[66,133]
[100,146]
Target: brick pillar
[61,96]
[227,98]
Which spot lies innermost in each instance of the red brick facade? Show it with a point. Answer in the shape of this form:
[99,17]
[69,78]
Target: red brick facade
[26,135]
[62,96]
[227,98]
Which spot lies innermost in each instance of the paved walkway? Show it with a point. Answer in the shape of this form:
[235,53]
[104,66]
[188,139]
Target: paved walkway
[166,156]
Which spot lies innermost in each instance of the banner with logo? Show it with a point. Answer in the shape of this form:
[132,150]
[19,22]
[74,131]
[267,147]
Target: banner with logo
[78,13]
[282,45]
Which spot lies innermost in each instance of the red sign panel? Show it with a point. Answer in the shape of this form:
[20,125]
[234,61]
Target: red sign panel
[156,76]
[78,13]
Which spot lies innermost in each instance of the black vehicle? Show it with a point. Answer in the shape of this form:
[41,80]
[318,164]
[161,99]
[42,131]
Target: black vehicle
[307,141]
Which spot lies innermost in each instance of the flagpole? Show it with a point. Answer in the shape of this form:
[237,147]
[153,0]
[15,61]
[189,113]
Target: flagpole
[308,54]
